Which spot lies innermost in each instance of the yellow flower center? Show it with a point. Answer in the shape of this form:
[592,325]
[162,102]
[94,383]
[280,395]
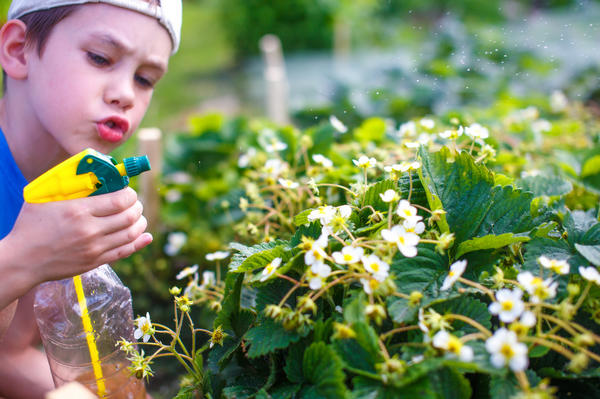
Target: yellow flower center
[347,257]
[507,305]
[454,345]
[507,351]
[375,267]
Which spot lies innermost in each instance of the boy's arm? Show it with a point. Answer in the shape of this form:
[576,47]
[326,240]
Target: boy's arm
[57,240]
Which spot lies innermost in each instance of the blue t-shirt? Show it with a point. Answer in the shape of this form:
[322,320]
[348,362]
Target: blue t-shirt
[12,183]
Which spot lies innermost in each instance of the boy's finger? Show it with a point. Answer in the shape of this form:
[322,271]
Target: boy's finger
[126,250]
[130,234]
[112,203]
[122,220]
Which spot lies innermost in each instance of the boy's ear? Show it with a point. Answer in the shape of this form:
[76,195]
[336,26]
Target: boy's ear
[13,49]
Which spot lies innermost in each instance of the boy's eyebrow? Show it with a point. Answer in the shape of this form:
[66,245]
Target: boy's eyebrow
[120,46]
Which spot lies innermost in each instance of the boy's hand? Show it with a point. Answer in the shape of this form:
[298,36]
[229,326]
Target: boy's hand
[60,239]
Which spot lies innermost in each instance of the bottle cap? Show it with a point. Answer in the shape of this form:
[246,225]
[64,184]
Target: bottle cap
[136,165]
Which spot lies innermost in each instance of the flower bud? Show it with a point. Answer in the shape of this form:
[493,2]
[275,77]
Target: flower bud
[215,306]
[273,311]
[306,304]
[573,290]
[415,298]
[584,339]
[306,141]
[579,362]
[342,331]
[375,313]
[174,290]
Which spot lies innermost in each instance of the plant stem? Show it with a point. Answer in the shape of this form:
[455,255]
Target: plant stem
[469,321]
[480,287]
[398,330]
[554,346]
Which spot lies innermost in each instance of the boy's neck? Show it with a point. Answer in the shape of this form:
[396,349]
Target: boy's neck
[33,152]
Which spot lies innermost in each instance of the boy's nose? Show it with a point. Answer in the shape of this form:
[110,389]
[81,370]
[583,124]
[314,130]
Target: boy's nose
[120,92]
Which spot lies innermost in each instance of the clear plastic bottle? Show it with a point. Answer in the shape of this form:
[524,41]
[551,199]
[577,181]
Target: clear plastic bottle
[58,314]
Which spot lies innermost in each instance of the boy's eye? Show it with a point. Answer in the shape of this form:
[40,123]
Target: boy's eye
[97,59]
[142,81]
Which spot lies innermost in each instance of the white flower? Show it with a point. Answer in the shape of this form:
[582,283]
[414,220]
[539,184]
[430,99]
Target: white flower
[538,289]
[270,269]
[322,160]
[315,281]
[407,129]
[558,101]
[452,134]
[321,269]
[557,266]
[506,349]
[344,211]
[427,123]
[316,253]
[590,274]
[540,126]
[413,226]
[274,167]
[323,213]
[456,270]
[448,342]
[175,241]
[378,268]
[369,285]
[476,131]
[244,159]
[365,162]
[406,241]
[389,196]
[288,183]
[144,328]
[218,255]
[275,145]
[527,319]
[508,306]
[188,271]
[406,211]
[348,255]
[337,124]
[208,278]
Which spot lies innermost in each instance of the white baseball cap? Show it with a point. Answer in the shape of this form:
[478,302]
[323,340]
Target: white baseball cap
[168,13]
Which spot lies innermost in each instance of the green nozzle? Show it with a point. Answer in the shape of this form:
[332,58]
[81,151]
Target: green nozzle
[136,165]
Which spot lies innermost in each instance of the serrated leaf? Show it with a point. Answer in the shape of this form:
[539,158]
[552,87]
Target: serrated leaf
[354,309]
[302,218]
[322,368]
[469,307]
[293,363]
[548,186]
[245,253]
[366,388]
[450,383]
[401,311]
[313,230]
[590,252]
[424,272]
[488,242]
[505,386]
[269,336]
[579,224]
[372,197]
[284,391]
[474,206]
[553,249]
[361,353]
[231,304]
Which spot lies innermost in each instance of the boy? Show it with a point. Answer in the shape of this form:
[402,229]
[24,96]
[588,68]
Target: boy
[78,74]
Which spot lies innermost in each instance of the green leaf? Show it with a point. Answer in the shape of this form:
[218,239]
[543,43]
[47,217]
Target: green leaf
[362,353]
[372,129]
[302,218]
[322,368]
[488,242]
[231,304]
[366,388]
[284,391]
[505,386]
[424,272]
[313,230]
[372,195]
[269,336]
[474,206]
[553,249]
[549,186]
[257,256]
[469,307]
[401,311]
[591,166]
[450,384]
[590,252]
[293,363]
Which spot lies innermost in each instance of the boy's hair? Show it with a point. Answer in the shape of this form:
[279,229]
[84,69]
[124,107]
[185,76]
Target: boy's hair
[39,25]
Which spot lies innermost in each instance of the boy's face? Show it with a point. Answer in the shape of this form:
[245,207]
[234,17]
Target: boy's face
[95,78]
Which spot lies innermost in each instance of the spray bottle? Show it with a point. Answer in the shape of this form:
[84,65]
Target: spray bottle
[82,318]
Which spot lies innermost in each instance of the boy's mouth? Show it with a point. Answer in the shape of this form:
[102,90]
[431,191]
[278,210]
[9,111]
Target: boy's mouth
[112,129]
